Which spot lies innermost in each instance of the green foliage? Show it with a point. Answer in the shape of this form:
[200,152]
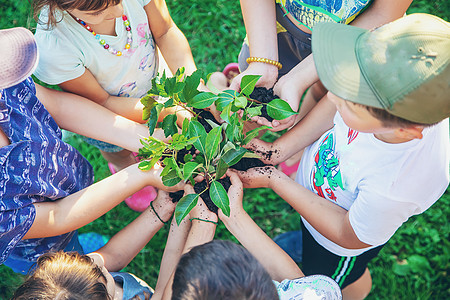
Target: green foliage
[219,148]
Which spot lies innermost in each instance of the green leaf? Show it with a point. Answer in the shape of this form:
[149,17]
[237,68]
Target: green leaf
[190,85]
[202,100]
[418,263]
[401,269]
[145,165]
[172,86]
[149,102]
[221,169]
[232,156]
[241,102]
[189,168]
[197,130]
[169,125]
[153,120]
[225,98]
[213,139]
[187,158]
[184,206]
[248,83]
[185,126]
[225,115]
[171,179]
[172,163]
[219,196]
[279,109]
[254,111]
[253,133]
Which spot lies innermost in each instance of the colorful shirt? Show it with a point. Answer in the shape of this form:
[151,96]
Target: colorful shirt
[314,287]
[68,49]
[311,12]
[380,184]
[36,166]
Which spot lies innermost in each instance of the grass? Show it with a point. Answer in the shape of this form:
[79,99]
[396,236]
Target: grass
[414,263]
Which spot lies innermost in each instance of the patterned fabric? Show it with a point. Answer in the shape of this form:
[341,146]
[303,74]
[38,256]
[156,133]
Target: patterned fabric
[37,166]
[314,287]
[311,12]
[132,286]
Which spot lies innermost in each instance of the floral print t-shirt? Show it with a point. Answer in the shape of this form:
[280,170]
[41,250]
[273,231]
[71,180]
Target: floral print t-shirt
[68,49]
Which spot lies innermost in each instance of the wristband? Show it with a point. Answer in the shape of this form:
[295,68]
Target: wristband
[264,60]
[151,205]
[204,220]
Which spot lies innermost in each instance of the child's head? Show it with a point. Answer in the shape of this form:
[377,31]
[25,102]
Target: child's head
[221,270]
[18,56]
[64,275]
[90,9]
[400,71]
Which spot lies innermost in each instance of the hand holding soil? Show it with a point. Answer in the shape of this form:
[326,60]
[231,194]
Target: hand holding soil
[258,177]
[269,75]
[163,205]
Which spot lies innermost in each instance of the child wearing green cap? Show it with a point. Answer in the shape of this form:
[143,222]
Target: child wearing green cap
[383,157]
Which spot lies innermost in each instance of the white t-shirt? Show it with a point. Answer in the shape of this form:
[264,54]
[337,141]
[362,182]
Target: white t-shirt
[380,184]
[314,287]
[68,49]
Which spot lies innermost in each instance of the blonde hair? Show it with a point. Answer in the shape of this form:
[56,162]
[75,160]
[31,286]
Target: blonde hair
[64,275]
[57,6]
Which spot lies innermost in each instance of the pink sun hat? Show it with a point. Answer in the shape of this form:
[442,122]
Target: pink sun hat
[18,56]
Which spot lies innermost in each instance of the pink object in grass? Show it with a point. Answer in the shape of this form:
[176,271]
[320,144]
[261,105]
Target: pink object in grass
[140,200]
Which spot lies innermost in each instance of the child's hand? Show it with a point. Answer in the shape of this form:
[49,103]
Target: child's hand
[154,179]
[235,194]
[163,205]
[258,177]
[267,152]
[268,72]
[200,211]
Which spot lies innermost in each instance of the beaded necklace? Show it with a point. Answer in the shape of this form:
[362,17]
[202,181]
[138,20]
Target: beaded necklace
[103,42]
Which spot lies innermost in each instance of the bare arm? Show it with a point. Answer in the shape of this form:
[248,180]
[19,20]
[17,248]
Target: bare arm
[304,133]
[87,86]
[277,262]
[127,243]
[79,115]
[169,38]
[261,28]
[318,211]
[76,210]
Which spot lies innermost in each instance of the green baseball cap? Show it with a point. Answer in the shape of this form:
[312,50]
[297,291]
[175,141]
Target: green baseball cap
[401,67]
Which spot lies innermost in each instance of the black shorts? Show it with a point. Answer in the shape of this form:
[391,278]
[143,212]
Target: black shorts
[343,269]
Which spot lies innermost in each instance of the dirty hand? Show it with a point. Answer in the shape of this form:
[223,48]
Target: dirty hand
[266,151]
[200,210]
[235,194]
[163,205]
[258,177]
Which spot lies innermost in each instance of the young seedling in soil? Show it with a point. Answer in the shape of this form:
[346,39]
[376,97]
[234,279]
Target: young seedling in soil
[198,151]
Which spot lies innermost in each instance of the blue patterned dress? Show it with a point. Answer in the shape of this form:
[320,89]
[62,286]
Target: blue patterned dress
[36,166]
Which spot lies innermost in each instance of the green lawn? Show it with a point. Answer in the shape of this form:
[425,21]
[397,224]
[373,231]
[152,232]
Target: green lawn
[414,263]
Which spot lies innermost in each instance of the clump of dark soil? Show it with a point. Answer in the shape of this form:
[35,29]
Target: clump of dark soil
[247,163]
[264,95]
[176,196]
[201,186]
[204,115]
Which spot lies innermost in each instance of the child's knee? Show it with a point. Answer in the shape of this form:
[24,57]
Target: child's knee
[359,289]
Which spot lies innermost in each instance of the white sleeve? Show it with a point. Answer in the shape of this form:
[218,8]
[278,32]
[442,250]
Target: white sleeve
[374,217]
[59,59]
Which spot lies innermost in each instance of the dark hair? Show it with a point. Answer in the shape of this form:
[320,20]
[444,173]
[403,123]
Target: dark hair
[55,6]
[64,275]
[389,120]
[221,270]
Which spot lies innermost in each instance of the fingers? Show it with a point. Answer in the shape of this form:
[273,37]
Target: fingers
[234,178]
[188,189]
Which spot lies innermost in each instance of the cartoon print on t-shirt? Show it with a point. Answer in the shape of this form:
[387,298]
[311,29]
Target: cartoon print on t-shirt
[326,175]
[127,89]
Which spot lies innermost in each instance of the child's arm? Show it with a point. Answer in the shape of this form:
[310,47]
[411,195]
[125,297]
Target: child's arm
[331,220]
[304,133]
[277,262]
[79,115]
[200,233]
[127,243]
[381,12]
[261,27]
[169,38]
[74,211]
